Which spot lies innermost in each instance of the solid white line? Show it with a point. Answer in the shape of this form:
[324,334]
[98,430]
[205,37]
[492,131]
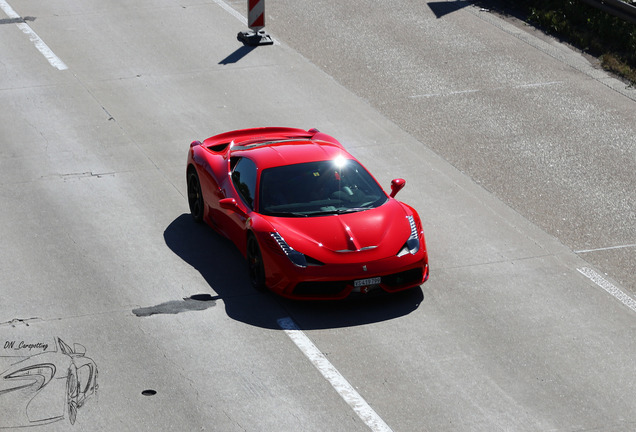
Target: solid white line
[521,86]
[54,60]
[428,95]
[543,84]
[8,10]
[232,11]
[605,248]
[609,287]
[331,374]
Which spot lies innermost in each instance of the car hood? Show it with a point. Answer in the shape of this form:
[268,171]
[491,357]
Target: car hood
[382,230]
[7,362]
[21,361]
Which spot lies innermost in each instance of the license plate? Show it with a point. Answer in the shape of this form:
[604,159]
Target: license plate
[366,282]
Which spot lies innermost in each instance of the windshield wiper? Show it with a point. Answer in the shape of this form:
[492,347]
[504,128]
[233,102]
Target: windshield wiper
[337,211]
[353,210]
[286,214]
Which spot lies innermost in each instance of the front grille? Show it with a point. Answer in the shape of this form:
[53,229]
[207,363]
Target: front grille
[321,288]
[392,282]
[412,276]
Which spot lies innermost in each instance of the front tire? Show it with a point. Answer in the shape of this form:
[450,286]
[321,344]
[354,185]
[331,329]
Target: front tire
[72,395]
[195,196]
[255,264]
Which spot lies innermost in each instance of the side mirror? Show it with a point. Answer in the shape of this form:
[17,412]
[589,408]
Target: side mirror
[396,186]
[231,204]
[79,349]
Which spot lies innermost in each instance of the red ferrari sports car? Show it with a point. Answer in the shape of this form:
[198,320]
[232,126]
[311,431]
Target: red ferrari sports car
[309,218]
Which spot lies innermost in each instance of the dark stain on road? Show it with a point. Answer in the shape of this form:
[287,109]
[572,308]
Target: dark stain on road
[197,302]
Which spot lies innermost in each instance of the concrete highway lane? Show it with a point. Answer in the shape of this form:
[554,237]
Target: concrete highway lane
[528,118]
[514,330]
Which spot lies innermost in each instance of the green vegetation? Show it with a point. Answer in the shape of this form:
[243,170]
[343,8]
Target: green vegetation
[610,39]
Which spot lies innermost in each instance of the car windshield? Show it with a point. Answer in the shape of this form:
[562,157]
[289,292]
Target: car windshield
[318,188]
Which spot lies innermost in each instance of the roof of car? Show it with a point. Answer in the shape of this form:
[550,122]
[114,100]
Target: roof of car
[288,152]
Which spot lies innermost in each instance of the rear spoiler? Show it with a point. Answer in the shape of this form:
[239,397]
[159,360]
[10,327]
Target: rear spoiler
[219,143]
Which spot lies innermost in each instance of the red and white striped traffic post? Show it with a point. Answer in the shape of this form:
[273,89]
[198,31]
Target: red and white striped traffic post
[256,14]
[256,22]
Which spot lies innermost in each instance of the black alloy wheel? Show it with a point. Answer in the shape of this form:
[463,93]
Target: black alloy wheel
[195,197]
[255,264]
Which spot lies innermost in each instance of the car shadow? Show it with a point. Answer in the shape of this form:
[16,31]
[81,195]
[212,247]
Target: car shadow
[224,269]
[353,312]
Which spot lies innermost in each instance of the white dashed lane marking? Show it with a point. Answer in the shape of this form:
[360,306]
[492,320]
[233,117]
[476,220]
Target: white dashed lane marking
[39,43]
[609,287]
[331,374]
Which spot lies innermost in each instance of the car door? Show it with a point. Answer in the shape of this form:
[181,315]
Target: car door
[242,187]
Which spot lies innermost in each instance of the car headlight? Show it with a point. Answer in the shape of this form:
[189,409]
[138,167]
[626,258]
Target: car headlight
[40,375]
[412,244]
[294,256]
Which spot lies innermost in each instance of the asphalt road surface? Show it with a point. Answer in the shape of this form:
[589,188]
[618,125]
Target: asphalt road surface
[518,154]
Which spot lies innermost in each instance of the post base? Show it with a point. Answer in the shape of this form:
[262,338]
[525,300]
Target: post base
[252,38]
